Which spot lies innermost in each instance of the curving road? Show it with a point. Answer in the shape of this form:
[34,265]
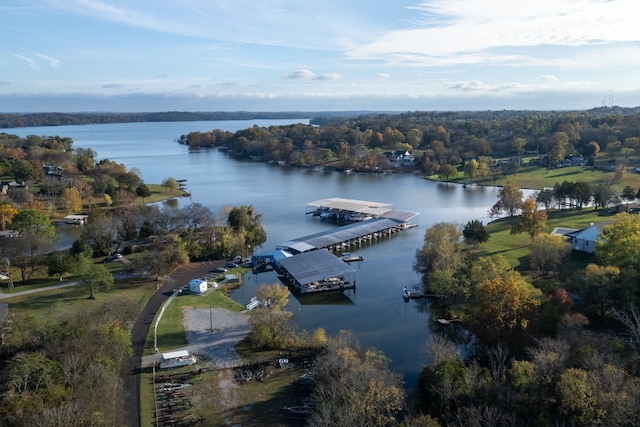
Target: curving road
[128,401]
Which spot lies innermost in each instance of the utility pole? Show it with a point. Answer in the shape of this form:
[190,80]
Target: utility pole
[8,261]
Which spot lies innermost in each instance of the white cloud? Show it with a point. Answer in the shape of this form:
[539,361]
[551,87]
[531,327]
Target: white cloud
[301,74]
[329,76]
[383,76]
[310,75]
[53,62]
[30,62]
[548,78]
[484,31]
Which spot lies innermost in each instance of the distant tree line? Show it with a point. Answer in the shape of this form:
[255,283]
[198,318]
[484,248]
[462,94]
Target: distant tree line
[59,119]
[436,140]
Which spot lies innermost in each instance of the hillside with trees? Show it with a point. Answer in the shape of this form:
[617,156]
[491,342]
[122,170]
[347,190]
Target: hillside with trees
[481,147]
[555,331]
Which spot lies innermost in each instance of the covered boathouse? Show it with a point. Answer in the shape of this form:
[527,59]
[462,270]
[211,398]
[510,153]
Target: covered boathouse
[317,271]
[308,265]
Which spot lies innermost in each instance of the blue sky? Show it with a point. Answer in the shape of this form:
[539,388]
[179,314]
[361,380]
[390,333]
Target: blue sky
[279,55]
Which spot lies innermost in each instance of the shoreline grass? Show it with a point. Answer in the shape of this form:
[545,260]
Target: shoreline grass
[537,178]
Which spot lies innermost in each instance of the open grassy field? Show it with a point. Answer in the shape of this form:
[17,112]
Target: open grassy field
[537,178]
[515,246]
[51,304]
[41,279]
[160,193]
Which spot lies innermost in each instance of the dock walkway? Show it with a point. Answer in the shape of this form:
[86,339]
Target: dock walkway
[308,265]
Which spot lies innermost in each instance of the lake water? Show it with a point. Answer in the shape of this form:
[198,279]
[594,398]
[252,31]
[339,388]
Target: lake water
[376,313]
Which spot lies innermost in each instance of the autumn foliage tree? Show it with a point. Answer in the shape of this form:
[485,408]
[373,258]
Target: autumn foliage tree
[531,220]
[442,260]
[270,326]
[354,386]
[446,171]
[7,212]
[505,304]
[547,252]
[509,200]
[619,244]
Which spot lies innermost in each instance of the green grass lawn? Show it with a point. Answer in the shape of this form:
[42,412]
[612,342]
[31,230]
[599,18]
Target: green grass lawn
[48,303]
[160,193]
[40,278]
[537,178]
[515,246]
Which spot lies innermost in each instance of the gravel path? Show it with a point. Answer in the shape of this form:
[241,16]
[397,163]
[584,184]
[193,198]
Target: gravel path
[217,346]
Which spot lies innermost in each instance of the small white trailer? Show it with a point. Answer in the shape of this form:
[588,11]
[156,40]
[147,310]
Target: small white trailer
[198,286]
[176,359]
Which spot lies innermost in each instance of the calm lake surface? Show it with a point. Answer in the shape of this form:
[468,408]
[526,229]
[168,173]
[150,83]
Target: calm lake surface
[376,312]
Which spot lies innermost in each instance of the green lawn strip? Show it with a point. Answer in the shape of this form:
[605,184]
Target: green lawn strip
[147,404]
[160,193]
[534,177]
[40,278]
[512,246]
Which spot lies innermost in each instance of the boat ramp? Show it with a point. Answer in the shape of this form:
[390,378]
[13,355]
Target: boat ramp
[308,264]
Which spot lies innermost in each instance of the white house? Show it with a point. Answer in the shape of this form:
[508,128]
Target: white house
[585,240]
[198,286]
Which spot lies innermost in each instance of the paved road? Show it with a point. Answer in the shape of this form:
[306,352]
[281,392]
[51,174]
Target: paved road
[128,407]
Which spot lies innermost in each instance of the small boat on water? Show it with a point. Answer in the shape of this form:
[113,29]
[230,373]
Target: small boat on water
[406,294]
[348,257]
[252,304]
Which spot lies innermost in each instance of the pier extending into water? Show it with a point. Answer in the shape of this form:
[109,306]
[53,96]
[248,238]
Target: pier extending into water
[308,265]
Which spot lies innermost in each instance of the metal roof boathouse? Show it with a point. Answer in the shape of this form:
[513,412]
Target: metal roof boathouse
[317,271]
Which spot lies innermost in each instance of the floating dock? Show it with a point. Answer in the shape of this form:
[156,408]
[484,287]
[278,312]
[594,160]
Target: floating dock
[308,265]
[316,271]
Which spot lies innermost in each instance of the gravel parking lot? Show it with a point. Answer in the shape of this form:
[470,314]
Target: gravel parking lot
[217,346]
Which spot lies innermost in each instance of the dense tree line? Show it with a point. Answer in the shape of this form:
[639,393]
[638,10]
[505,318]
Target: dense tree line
[437,140]
[59,119]
[62,371]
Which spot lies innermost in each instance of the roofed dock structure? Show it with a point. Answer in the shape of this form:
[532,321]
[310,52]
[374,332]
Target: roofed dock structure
[310,256]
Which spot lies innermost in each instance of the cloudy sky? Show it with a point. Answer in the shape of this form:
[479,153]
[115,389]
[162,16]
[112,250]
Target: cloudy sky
[276,55]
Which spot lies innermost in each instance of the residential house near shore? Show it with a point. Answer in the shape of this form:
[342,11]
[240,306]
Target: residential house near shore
[584,240]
